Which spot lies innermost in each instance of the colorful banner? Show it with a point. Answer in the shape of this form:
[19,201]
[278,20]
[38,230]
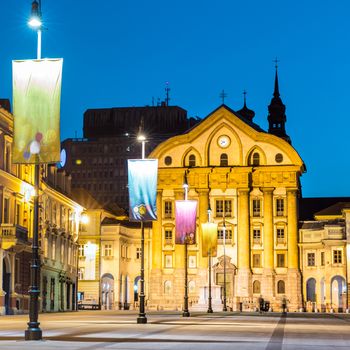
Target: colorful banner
[36,110]
[185,221]
[142,180]
[209,239]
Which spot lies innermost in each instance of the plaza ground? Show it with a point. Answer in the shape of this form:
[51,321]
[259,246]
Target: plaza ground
[119,330]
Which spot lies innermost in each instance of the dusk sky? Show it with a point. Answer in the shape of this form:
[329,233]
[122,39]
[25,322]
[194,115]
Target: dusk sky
[121,53]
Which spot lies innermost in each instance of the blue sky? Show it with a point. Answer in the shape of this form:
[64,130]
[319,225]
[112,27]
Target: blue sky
[121,53]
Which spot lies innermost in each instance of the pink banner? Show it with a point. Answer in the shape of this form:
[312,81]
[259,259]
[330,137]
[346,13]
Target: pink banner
[185,221]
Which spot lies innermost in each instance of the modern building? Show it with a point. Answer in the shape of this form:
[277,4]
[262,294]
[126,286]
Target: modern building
[250,179]
[98,161]
[58,231]
[324,259]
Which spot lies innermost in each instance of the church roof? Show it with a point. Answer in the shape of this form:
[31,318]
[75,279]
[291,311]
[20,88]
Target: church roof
[238,115]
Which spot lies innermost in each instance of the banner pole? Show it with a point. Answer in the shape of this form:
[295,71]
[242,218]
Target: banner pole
[142,315]
[210,309]
[186,312]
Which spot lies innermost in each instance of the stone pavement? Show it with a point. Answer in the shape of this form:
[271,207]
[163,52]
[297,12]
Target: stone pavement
[168,331]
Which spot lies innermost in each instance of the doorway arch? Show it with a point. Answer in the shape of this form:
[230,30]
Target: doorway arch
[136,288]
[107,290]
[337,288]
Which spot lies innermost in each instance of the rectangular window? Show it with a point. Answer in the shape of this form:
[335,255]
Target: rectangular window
[18,214]
[279,207]
[280,235]
[107,250]
[223,207]
[280,260]
[228,235]
[311,259]
[6,218]
[337,256]
[256,260]
[256,236]
[168,261]
[168,235]
[53,248]
[81,273]
[81,250]
[168,209]
[138,253]
[322,258]
[256,207]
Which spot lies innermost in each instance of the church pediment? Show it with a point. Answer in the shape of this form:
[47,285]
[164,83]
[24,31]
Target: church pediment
[224,138]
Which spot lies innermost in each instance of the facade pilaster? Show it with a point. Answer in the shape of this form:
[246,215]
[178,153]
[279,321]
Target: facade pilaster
[244,276]
[268,282]
[293,285]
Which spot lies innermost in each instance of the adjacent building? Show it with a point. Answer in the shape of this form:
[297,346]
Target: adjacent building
[324,259]
[109,257]
[58,231]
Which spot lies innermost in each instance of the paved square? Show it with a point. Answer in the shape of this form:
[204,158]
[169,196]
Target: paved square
[219,331]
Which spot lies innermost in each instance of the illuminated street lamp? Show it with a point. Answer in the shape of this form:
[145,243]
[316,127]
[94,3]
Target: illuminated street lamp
[209,249]
[185,227]
[35,22]
[224,241]
[33,332]
[142,314]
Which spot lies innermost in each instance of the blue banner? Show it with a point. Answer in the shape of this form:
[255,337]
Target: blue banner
[142,181]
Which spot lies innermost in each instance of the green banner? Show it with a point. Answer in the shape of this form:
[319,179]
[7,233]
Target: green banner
[36,110]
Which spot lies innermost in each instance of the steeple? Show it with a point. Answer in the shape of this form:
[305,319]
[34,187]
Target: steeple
[245,111]
[277,117]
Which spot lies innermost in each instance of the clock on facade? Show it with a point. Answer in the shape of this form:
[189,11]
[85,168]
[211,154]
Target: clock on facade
[224,141]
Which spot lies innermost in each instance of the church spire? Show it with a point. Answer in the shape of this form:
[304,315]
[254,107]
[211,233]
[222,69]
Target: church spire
[277,117]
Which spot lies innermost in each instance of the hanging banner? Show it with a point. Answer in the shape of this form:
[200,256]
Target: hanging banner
[185,221]
[209,239]
[142,180]
[36,110]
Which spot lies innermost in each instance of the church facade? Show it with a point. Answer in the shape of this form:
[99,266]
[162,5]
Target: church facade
[249,179]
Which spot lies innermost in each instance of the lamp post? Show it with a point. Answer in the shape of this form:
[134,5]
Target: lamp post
[33,332]
[210,309]
[224,241]
[142,315]
[186,312]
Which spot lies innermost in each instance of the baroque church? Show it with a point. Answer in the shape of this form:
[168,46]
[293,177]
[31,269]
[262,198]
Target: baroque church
[249,179]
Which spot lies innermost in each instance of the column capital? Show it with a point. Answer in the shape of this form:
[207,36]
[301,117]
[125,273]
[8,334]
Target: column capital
[243,190]
[292,190]
[202,191]
[267,189]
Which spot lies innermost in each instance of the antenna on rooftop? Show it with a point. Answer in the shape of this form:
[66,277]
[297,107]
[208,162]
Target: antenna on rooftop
[167,90]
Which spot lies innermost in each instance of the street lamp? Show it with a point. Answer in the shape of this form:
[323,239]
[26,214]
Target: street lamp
[224,241]
[35,22]
[210,309]
[33,332]
[186,312]
[142,314]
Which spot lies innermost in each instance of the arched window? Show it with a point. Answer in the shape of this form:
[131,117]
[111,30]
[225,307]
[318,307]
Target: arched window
[223,159]
[167,287]
[256,159]
[192,160]
[281,288]
[256,287]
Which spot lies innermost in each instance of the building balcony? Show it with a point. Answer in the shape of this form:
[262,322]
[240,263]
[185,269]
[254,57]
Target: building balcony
[13,235]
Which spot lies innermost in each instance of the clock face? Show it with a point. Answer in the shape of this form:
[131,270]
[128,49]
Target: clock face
[224,141]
